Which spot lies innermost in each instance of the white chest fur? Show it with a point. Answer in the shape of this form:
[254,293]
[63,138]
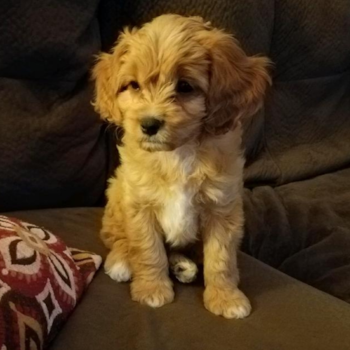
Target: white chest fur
[178,184]
[178,216]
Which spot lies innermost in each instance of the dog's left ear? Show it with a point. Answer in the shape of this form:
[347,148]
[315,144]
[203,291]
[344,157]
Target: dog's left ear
[237,83]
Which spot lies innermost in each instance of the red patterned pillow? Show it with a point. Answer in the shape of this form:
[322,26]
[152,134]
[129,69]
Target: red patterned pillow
[41,280]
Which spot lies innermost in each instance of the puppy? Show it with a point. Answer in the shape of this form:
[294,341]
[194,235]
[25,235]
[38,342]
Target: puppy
[179,89]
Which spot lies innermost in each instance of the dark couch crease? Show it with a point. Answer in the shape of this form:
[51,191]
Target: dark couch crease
[303,229]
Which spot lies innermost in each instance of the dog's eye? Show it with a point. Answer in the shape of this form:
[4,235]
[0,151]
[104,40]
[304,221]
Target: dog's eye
[184,87]
[134,85]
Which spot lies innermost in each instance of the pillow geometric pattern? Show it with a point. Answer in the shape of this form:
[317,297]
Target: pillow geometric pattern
[41,281]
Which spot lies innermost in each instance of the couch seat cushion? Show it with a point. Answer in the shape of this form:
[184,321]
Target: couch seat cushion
[287,314]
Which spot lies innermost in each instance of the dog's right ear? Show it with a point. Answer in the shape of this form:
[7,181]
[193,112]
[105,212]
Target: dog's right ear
[104,91]
[105,74]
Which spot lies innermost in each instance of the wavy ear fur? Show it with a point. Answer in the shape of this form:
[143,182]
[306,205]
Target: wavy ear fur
[237,84]
[106,79]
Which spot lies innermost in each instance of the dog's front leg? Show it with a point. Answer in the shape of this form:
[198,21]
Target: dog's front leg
[222,229]
[151,284]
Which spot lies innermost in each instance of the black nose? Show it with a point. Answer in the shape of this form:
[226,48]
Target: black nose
[150,126]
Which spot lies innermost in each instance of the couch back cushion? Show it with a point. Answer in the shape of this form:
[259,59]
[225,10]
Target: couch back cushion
[52,145]
[304,129]
[53,148]
[307,112]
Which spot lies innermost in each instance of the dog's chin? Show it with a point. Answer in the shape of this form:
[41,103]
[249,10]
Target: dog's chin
[152,146]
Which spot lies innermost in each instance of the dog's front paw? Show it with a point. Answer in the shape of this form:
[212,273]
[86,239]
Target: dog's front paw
[152,293]
[230,303]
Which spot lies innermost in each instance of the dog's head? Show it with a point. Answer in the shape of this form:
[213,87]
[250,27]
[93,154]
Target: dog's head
[177,78]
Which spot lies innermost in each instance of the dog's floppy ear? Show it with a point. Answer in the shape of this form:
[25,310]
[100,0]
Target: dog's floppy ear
[105,74]
[237,82]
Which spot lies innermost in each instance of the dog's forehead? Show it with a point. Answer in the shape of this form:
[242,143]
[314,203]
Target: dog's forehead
[165,49]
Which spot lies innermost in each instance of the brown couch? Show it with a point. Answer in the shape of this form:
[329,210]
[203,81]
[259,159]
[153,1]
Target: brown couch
[55,158]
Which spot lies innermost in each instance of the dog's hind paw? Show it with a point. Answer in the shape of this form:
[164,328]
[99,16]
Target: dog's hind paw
[183,268]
